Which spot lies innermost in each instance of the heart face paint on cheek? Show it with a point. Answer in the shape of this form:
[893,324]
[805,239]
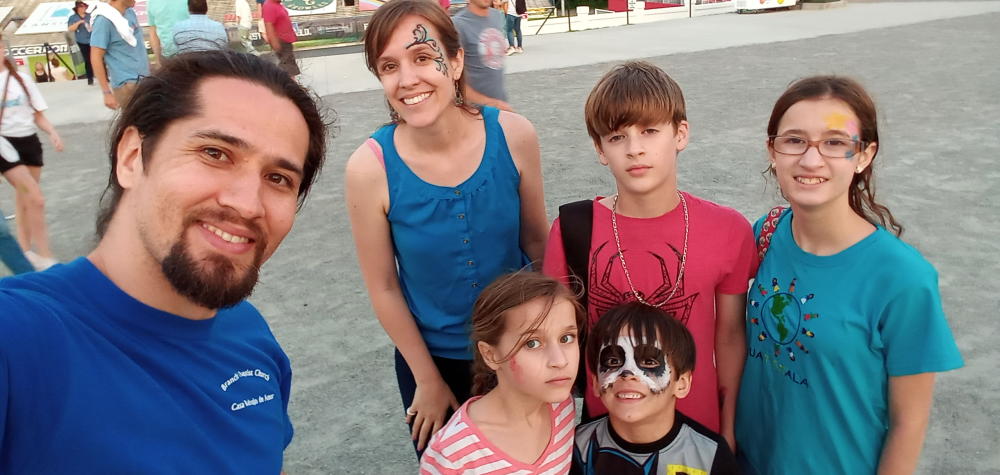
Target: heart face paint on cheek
[646,362]
[515,369]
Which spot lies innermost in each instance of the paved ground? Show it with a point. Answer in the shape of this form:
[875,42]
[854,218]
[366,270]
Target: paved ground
[940,109]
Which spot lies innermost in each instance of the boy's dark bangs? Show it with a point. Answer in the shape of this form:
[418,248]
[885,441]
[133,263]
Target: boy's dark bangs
[635,101]
[645,324]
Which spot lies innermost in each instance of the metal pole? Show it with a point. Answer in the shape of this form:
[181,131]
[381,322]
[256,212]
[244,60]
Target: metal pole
[551,11]
[569,21]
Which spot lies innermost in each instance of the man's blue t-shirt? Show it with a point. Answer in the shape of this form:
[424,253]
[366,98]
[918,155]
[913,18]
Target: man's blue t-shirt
[125,63]
[94,381]
[164,14]
[825,334]
[82,33]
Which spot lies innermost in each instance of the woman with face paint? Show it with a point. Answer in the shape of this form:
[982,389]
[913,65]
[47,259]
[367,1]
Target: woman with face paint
[844,319]
[521,417]
[442,200]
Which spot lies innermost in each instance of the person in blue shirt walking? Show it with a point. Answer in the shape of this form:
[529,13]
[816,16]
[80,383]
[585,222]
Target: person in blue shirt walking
[79,24]
[443,200]
[199,32]
[844,320]
[118,51]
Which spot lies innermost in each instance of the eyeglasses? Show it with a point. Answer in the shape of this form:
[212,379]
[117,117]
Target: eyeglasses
[829,148]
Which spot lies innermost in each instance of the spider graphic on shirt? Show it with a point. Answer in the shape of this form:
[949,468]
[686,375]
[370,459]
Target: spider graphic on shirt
[603,294]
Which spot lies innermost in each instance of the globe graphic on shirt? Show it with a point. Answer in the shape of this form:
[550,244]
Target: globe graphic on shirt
[782,316]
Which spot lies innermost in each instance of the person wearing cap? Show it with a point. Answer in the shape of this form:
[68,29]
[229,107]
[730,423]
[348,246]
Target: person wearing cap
[79,24]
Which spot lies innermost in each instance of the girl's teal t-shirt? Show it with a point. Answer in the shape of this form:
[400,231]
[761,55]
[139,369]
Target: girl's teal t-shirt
[825,333]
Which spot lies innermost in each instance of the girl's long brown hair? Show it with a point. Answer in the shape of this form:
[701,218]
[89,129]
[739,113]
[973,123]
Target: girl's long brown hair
[489,317]
[12,70]
[861,195]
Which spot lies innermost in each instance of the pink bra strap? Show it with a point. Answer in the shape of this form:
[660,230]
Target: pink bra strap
[373,144]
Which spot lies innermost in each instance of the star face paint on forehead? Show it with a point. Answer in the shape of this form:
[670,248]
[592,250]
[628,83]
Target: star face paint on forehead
[624,358]
[836,120]
[422,37]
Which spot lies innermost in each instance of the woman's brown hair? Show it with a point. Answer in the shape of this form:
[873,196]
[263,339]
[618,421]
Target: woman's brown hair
[861,195]
[489,317]
[383,24]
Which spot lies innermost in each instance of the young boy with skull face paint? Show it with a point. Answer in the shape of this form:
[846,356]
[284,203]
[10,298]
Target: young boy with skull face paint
[644,360]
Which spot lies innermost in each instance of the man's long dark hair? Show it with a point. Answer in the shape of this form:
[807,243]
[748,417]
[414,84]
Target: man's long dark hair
[172,94]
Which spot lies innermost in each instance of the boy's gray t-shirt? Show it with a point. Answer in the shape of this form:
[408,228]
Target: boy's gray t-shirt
[485,50]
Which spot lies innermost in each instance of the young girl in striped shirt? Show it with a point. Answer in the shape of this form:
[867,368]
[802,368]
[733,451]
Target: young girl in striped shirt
[520,419]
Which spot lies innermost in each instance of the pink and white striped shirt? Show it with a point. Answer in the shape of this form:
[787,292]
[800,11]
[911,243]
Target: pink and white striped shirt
[460,448]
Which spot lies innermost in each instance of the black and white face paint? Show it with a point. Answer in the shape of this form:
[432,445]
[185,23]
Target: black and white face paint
[644,361]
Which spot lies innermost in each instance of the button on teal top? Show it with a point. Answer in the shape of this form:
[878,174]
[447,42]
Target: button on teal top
[451,242]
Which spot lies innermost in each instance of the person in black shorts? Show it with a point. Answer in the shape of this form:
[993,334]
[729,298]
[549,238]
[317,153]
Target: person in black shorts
[21,115]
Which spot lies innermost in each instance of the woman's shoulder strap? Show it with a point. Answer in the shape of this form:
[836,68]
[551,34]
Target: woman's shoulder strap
[490,114]
[377,150]
[382,145]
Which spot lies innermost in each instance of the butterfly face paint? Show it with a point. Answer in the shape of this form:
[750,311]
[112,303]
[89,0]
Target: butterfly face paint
[645,361]
[422,37]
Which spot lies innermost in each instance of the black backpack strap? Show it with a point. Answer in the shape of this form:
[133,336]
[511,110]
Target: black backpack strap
[576,221]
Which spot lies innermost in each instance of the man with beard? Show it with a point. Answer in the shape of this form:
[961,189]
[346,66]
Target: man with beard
[144,356]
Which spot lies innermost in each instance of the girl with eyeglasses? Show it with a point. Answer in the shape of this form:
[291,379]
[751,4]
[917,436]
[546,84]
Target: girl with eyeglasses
[844,319]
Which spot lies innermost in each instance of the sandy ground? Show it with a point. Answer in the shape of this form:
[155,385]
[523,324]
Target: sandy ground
[934,82]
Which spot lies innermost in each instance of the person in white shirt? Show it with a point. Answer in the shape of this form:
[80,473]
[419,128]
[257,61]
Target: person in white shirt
[244,22]
[21,115]
[58,72]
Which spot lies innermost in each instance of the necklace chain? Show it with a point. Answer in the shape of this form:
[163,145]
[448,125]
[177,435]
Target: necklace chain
[621,256]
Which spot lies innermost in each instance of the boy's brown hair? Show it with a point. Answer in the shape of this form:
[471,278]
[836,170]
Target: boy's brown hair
[635,92]
[645,323]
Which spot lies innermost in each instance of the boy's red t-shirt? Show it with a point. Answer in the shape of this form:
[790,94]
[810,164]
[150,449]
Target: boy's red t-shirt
[720,259]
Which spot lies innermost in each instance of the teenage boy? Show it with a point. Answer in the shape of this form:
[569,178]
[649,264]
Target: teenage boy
[644,359]
[654,244]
